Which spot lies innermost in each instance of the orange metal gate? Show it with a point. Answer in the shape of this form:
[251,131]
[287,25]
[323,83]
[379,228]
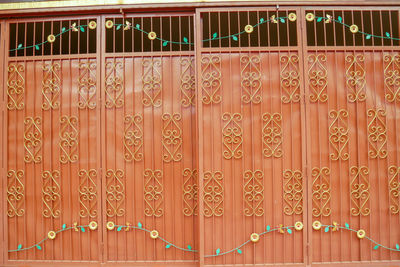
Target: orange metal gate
[201,150]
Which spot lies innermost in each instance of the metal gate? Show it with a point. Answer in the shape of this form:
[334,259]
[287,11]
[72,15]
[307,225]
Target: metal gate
[222,137]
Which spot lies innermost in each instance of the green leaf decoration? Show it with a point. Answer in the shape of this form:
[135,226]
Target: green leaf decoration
[376,247]
[139,225]
[326,229]
[319,19]
[339,18]
[119,26]
[19,246]
[268,228]
[282,20]
[185,39]
[387,34]
[215,35]
[36,47]
[137,26]
[239,251]
[168,246]
[368,36]
[234,38]
[289,231]
[63,29]
[347,225]
[189,247]
[38,247]
[217,251]
[20,45]
[82,229]
[82,29]
[119,228]
[64,226]
[261,20]
[165,43]
[397,246]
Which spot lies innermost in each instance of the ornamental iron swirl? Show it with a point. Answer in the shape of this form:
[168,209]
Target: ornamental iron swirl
[253,192]
[211,79]
[359,190]
[114,84]
[68,139]
[51,86]
[318,77]
[171,137]
[290,78]
[151,80]
[272,135]
[232,135]
[189,190]
[51,194]
[355,78]
[153,193]
[87,193]
[87,84]
[213,196]
[394,189]
[133,137]
[15,86]
[33,139]
[15,193]
[321,191]
[392,77]
[293,192]
[115,193]
[339,134]
[377,133]
[187,81]
[251,78]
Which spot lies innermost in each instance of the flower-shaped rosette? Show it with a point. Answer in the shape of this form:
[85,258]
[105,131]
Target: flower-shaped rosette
[317,225]
[361,233]
[254,237]
[51,234]
[93,225]
[92,25]
[51,38]
[110,225]
[298,226]
[310,17]
[109,24]
[354,28]
[154,234]
[249,28]
[152,35]
[292,17]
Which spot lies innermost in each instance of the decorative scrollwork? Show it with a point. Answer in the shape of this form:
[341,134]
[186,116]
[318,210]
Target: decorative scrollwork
[394,189]
[251,79]
[359,190]
[253,192]
[115,192]
[51,194]
[318,78]
[355,78]
[15,86]
[15,193]
[51,86]
[68,139]
[114,85]
[187,81]
[153,192]
[171,137]
[133,137]
[272,135]
[152,82]
[87,84]
[211,79]
[321,191]
[232,135]
[87,193]
[377,133]
[339,134]
[32,139]
[293,192]
[392,77]
[290,78]
[189,190]
[213,196]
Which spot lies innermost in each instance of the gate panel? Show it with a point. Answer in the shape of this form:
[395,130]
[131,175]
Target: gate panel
[252,177]
[52,158]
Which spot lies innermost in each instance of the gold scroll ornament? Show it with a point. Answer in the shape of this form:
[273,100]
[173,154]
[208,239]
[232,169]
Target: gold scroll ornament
[250,78]
[115,192]
[114,84]
[189,191]
[15,193]
[394,189]
[151,80]
[293,192]
[15,86]
[51,86]
[33,139]
[211,79]
[87,84]
[339,134]
[87,193]
[51,194]
[317,78]
[187,81]
[232,135]
[290,78]
[272,135]
[153,192]
[377,133]
[392,77]
[171,137]
[253,192]
[359,190]
[68,139]
[213,196]
[133,137]
[355,78]
[321,191]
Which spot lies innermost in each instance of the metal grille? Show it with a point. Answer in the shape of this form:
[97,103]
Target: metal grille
[376,22]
